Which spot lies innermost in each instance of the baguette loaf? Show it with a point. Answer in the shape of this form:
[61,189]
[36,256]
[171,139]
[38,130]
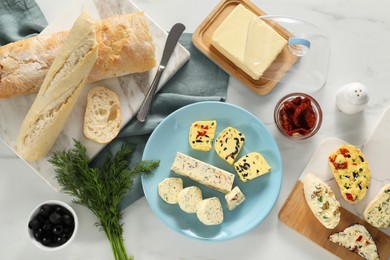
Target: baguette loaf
[102,120]
[125,46]
[60,89]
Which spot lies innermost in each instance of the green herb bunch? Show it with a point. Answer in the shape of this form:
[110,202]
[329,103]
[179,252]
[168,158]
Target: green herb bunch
[100,190]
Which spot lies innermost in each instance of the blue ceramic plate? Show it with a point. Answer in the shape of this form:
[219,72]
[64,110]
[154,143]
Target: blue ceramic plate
[171,136]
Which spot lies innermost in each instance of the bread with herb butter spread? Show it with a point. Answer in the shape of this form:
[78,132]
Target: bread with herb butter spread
[351,172]
[377,212]
[357,239]
[321,201]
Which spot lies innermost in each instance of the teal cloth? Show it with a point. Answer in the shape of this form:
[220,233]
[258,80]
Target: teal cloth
[20,19]
[198,80]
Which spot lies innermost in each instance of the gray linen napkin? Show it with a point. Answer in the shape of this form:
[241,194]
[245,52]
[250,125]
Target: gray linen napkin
[20,19]
[198,80]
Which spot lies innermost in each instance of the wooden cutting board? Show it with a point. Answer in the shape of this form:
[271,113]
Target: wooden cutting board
[296,214]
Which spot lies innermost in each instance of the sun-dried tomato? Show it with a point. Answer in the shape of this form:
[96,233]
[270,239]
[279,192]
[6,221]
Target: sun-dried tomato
[297,116]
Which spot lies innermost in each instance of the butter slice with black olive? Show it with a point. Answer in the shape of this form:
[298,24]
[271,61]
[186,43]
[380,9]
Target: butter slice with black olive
[201,135]
[351,172]
[321,201]
[251,165]
[229,143]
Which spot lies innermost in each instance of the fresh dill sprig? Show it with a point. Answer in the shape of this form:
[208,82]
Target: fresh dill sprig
[100,190]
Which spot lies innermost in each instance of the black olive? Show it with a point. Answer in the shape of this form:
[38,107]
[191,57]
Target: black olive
[58,229]
[45,210]
[47,225]
[46,239]
[34,224]
[61,239]
[67,219]
[55,218]
[38,234]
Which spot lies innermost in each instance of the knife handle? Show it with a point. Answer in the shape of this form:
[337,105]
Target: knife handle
[146,104]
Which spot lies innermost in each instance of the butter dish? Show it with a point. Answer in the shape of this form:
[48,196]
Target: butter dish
[263,50]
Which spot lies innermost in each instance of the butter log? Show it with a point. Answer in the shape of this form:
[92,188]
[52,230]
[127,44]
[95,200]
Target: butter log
[203,173]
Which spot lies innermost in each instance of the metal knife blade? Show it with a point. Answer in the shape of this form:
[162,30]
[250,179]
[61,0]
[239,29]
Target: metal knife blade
[173,38]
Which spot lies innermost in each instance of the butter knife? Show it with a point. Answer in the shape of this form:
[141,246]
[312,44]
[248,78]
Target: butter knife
[173,38]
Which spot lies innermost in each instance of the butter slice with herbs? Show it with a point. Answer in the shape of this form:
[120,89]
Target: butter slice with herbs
[201,135]
[229,143]
[169,189]
[321,201]
[377,212]
[234,198]
[209,211]
[189,198]
[264,45]
[203,173]
[251,165]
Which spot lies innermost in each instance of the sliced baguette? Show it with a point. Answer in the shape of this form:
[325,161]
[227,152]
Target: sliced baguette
[124,42]
[102,120]
[60,89]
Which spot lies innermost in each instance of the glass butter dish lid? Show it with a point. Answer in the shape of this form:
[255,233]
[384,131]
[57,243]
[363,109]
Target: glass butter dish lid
[286,50]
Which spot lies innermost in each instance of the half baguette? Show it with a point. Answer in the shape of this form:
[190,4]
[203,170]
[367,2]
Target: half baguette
[59,91]
[125,46]
[102,120]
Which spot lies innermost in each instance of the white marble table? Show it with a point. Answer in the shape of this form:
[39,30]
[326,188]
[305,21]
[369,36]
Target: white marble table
[359,33]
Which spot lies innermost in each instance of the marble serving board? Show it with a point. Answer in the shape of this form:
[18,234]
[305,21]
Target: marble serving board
[376,152]
[131,88]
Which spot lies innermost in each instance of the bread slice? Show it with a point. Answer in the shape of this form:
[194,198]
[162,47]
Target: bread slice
[102,120]
[357,239]
[351,172]
[124,42]
[321,201]
[377,212]
[60,89]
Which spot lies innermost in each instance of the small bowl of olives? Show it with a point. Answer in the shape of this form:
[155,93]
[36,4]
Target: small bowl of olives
[52,225]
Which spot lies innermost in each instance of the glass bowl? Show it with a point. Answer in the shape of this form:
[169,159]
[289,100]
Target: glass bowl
[298,116]
[52,225]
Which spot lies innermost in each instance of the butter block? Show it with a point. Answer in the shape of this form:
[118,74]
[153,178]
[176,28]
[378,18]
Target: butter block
[203,173]
[251,165]
[234,198]
[229,143]
[201,135]
[263,45]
